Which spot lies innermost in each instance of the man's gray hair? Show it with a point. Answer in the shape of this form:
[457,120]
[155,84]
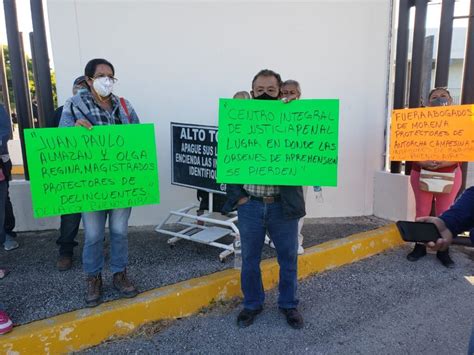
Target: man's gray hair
[292,82]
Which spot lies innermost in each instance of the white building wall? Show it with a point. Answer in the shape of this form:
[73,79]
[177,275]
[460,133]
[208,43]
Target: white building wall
[175,59]
[455,79]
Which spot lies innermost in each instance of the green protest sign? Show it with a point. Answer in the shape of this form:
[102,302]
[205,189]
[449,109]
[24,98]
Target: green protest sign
[272,143]
[78,170]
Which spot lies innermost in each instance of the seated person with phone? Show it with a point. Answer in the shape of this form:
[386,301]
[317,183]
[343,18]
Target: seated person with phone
[459,218]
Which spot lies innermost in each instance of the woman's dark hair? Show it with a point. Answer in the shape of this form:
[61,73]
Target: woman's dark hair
[268,72]
[90,68]
[439,88]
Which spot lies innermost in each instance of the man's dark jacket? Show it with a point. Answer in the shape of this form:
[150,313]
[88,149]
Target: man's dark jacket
[460,217]
[291,198]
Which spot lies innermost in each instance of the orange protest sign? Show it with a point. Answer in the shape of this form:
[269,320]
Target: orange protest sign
[443,133]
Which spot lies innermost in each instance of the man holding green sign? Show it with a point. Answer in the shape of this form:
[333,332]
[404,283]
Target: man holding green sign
[267,150]
[260,207]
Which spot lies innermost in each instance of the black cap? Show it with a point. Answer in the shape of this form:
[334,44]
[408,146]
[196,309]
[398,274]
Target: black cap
[79,80]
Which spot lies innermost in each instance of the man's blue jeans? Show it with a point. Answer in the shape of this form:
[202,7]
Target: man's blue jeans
[94,230]
[255,219]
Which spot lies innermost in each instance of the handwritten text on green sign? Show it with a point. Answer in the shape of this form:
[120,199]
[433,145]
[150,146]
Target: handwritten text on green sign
[272,143]
[76,170]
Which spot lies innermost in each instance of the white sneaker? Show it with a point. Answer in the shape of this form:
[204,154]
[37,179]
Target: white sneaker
[300,250]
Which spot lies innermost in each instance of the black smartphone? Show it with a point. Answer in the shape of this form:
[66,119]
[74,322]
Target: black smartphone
[421,232]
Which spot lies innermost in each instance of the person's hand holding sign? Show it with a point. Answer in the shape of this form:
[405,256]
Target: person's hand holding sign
[445,164]
[83,123]
[429,164]
[287,99]
[434,164]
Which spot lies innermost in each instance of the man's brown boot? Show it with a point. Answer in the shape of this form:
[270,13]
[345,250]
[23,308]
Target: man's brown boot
[64,262]
[123,285]
[94,290]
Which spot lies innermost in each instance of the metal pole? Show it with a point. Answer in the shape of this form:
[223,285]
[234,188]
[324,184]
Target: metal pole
[427,68]
[41,119]
[401,62]
[4,82]
[444,43]
[417,53]
[27,81]
[416,75]
[211,202]
[42,63]
[18,75]
[467,95]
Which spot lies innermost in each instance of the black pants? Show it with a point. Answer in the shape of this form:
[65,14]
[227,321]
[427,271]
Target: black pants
[68,232]
[9,223]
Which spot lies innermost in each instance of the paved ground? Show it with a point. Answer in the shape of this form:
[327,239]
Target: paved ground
[382,305]
[36,290]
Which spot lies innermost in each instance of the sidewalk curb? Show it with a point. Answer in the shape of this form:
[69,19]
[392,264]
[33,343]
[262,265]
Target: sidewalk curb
[84,328]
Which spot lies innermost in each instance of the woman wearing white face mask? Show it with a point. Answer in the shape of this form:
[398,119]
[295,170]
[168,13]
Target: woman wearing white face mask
[100,106]
[421,179]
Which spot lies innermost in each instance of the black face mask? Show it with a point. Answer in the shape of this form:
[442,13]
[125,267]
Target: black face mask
[265,96]
[439,101]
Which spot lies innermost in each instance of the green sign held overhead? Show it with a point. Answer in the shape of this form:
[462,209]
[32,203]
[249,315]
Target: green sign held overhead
[273,143]
[78,170]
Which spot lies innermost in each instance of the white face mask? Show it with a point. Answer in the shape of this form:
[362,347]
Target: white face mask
[103,86]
